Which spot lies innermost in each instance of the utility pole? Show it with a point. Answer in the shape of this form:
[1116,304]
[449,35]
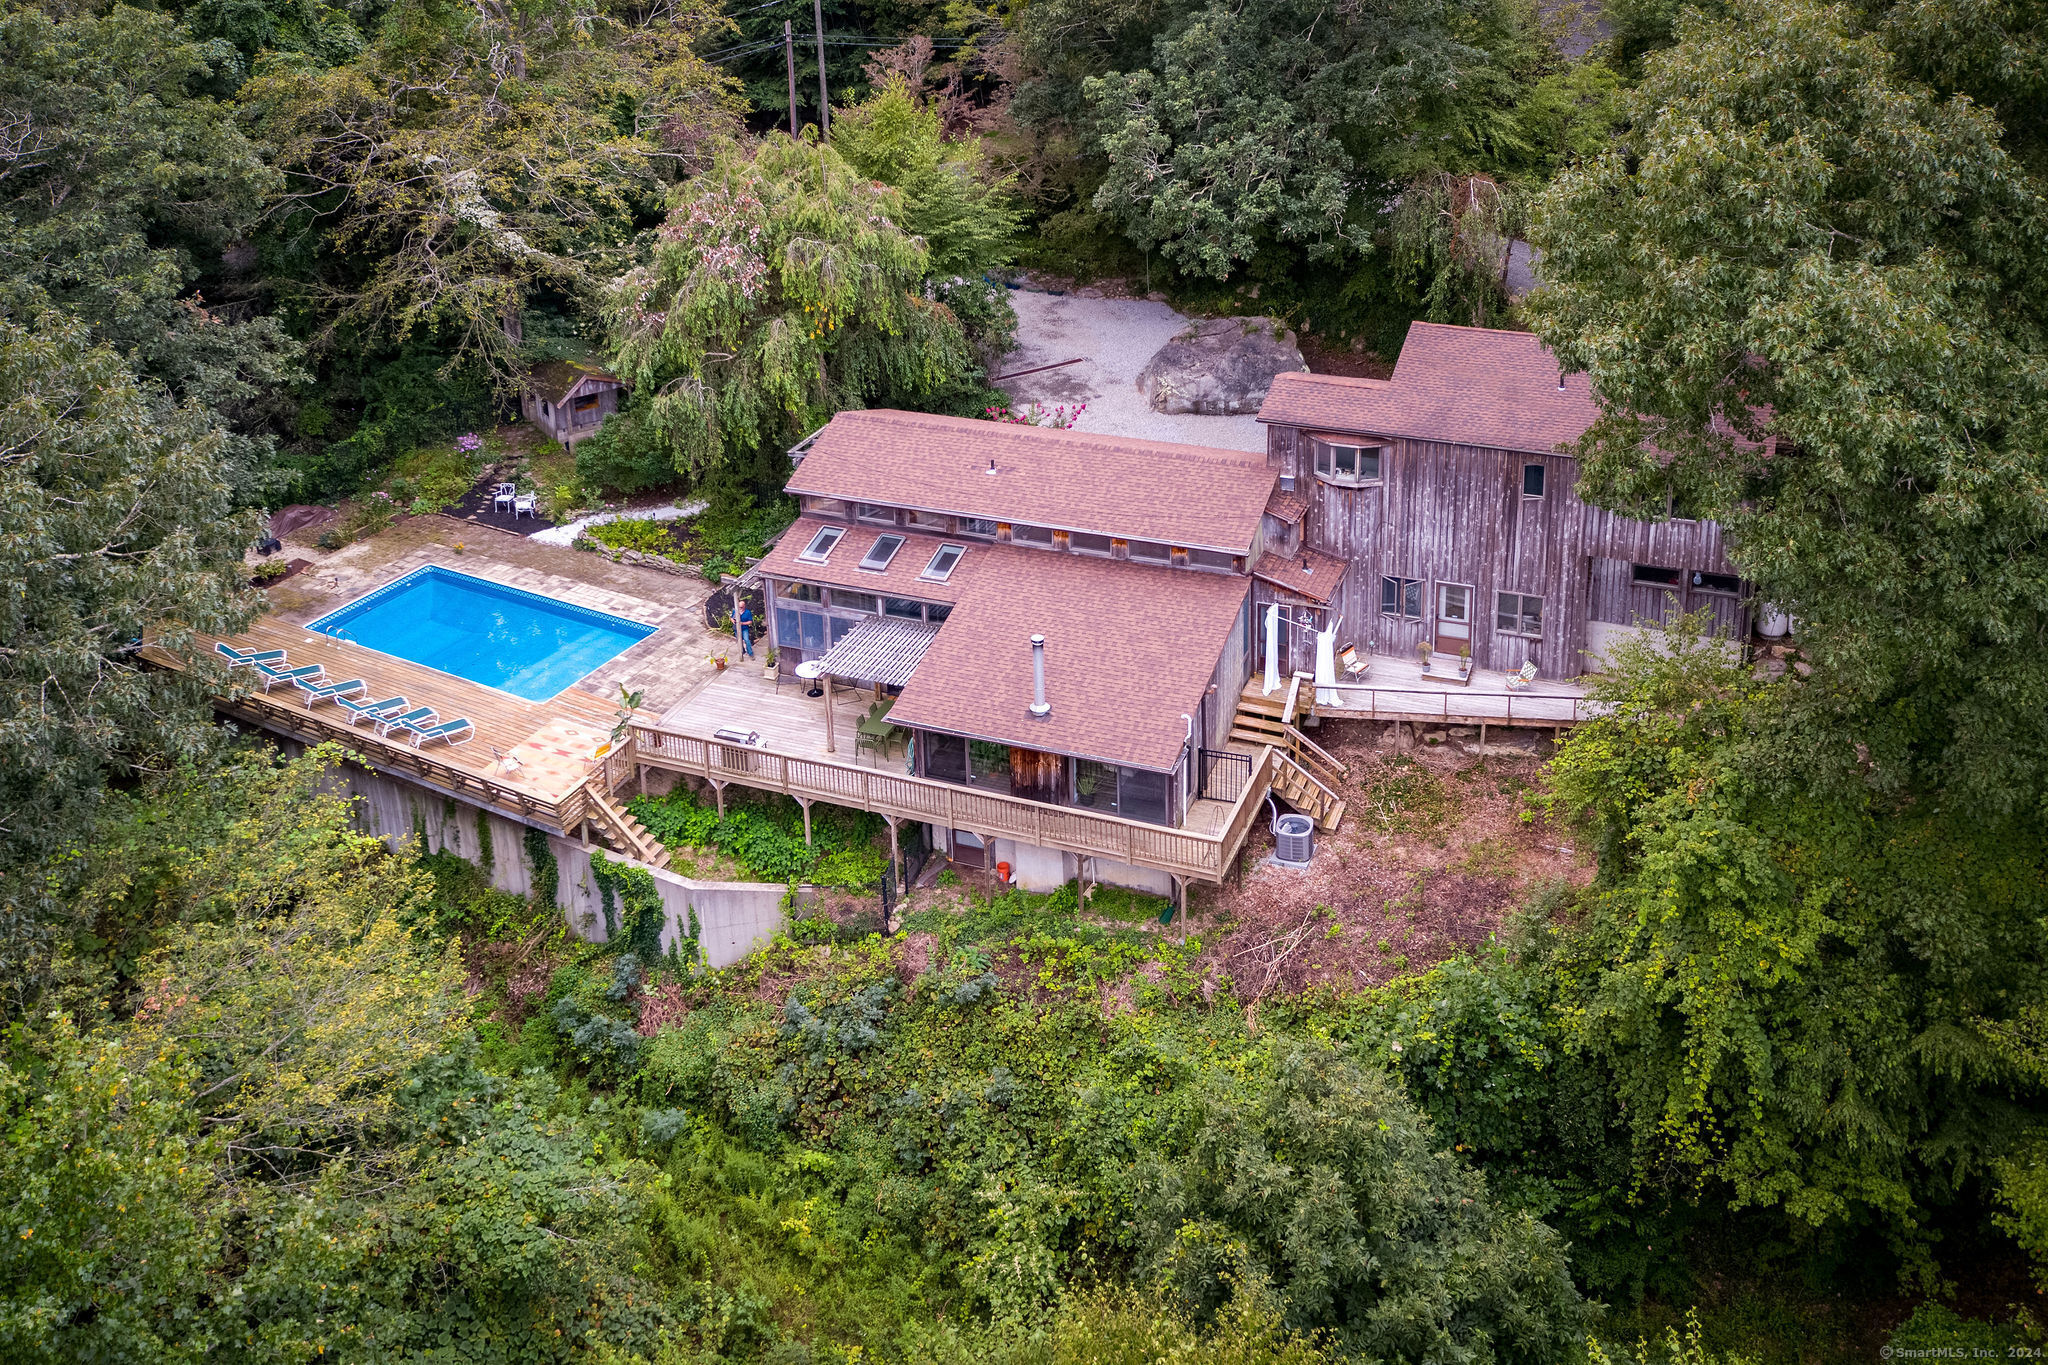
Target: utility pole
[789,58]
[824,97]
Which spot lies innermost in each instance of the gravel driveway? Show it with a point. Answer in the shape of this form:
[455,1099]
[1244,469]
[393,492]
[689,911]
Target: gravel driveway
[1114,337]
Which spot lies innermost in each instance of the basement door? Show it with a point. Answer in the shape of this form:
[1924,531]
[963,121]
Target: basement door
[1453,617]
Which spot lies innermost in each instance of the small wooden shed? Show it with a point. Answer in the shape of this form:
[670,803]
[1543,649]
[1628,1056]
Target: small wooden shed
[569,401]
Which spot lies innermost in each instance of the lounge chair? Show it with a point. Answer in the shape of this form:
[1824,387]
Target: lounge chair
[370,710]
[317,692]
[418,716]
[1519,682]
[1354,667]
[238,657]
[446,730]
[272,675]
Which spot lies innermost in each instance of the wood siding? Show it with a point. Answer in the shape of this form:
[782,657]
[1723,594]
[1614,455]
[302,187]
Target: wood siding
[1446,513]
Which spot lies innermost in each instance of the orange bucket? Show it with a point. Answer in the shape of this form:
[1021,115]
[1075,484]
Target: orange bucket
[1003,873]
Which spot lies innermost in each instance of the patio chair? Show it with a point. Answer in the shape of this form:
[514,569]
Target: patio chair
[1519,682]
[1354,667]
[317,692]
[370,710]
[273,675]
[237,658]
[524,506]
[414,719]
[446,730]
[503,497]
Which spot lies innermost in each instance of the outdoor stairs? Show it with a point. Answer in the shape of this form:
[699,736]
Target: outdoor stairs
[626,834]
[1306,775]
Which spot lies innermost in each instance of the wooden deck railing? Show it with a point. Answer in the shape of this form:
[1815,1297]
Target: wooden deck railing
[1364,701]
[1186,853]
[285,714]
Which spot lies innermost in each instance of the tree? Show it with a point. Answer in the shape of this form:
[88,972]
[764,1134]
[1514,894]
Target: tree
[121,185]
[1810,294]
[781,289]
[471,158]
[1797,992]
[120,528]
[1277,123]
[1323,1182]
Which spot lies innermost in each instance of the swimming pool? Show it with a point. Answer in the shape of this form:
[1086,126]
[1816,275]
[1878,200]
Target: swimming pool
[507,638]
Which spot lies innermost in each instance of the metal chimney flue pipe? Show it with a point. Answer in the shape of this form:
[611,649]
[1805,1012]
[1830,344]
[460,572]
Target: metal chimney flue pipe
[1040,707]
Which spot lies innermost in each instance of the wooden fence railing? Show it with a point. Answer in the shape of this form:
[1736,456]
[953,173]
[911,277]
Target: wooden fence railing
[1186,853]
[1361,700]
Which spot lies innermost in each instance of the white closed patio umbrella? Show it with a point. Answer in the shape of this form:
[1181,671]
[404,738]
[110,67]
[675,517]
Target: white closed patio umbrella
[1272,649]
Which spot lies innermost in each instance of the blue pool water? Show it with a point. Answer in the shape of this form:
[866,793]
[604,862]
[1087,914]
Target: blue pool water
[519,642]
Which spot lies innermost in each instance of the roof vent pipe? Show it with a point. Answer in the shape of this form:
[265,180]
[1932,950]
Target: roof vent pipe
[1560,381]
[1040,707]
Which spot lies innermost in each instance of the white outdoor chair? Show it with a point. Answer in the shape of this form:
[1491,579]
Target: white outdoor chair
[523,506]
[504,498]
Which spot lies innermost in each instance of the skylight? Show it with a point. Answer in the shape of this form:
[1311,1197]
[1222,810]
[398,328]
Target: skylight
[881,552]
[941,567]
[822,543]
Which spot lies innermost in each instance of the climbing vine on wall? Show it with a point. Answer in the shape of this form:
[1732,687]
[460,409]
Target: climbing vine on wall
[546,877]
[633,913]
[486,856]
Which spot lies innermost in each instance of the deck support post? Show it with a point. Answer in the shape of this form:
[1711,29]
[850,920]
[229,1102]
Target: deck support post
[1482,741]
[718,795]
[805,803]
[831,747]
[640,772]
[896,855]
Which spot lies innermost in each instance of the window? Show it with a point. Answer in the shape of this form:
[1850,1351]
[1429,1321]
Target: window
[1088,543]
[880,553]
[853,601]
[1532,480]
[941,567]
[821,544]
[1134,793]
[1212,559]
[945,756]
[584,412]
[1031,535]
[937,612]
[804,630]
[930,521]
[1348,463]
[869,511]
[803,592]
[977,526]
[825,507]
[1401,597]
[1716,582]
[1518,613]
[1653,575]
[1151,551]
[544,409]
[903,607]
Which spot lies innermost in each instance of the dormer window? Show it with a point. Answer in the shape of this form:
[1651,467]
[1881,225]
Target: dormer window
[881,552]
[821,544]
[1341,462]
[941,567]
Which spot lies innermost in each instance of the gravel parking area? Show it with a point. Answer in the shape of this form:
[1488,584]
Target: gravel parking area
[1114,339]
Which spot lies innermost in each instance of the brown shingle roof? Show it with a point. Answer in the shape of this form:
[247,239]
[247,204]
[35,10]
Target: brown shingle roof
[1129,649]
[552,379]
[1067,480]
[1308,573]
[842,567]
[1467,385]
[1289,507]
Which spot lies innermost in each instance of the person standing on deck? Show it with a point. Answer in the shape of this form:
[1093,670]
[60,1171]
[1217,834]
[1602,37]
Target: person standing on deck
[745,621]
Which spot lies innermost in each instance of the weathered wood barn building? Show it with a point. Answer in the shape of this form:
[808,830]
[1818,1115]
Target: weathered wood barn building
[569,401]
[1436,506]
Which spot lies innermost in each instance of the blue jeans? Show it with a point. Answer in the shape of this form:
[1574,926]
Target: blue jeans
[746,641]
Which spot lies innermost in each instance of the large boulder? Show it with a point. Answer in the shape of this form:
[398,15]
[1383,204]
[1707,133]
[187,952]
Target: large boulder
[1219,367]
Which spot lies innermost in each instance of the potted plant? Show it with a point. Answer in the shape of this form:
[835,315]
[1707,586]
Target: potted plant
[1464,661]
[768,661]
[1422,651]
[718,662]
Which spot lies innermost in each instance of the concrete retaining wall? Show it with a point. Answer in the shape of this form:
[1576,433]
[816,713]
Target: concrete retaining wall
[733,918]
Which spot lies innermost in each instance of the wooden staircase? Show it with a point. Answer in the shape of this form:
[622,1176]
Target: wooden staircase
[1305,775]
[626,834]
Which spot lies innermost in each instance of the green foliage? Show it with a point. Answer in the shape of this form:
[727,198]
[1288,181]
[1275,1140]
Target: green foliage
[767,839]
[635,533]
[1809,296]
[634,916]
[364,518]
[1324,1181]
[540,860]
[968,224]
[781,289]
[122,529]
[1938,1330]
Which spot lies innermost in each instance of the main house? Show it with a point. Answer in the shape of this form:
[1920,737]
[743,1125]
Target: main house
[1438,505]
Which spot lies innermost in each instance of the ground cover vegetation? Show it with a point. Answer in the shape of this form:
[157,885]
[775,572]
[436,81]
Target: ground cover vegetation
[273,1090]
